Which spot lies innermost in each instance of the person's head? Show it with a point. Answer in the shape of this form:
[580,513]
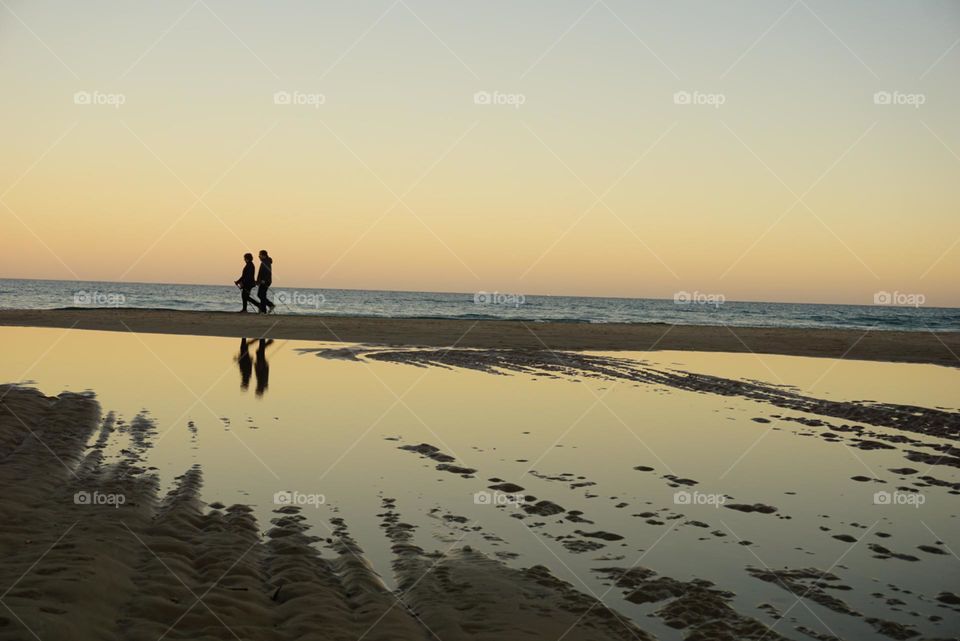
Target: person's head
[248,257]
[264,254]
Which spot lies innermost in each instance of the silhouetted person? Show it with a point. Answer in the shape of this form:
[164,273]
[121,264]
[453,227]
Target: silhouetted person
[264,280]
[245,363]
[246,282]
[262,368]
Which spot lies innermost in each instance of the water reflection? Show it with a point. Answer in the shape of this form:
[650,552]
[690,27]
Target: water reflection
[260,368]
[307,437]
[245,364]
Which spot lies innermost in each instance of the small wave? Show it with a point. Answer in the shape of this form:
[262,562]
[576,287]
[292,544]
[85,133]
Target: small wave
[18,294]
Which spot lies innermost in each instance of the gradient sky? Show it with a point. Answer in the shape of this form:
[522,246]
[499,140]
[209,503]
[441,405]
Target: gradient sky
[797,188]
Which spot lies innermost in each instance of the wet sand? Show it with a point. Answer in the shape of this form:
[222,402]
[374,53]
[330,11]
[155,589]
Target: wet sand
[149,567]
[574,365]
[168,564]
[941,348]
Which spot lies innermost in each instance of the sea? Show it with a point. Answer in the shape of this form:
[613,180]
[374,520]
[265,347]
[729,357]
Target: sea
[892,311]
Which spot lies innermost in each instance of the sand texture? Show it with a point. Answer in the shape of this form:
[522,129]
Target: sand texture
[171,567]
[914,347]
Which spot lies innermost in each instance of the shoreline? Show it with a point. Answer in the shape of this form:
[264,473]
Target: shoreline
[941,348]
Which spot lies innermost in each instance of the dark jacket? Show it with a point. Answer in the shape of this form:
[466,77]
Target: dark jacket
[246,280]
[265,277]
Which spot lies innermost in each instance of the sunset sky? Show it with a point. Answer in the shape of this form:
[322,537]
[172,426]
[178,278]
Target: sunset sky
[803,185]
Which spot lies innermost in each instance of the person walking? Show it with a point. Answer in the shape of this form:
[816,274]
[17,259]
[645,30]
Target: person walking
[264,280]
[246,282]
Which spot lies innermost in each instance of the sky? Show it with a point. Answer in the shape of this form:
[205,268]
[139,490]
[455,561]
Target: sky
[799,150]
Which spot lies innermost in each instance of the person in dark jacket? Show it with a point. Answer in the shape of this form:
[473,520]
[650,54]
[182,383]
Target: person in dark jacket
[264,280]
[246,282]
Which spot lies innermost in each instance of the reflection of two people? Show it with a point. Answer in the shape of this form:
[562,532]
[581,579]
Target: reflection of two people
[260,368]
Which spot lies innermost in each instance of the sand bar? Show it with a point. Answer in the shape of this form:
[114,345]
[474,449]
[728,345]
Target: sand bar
[941,348]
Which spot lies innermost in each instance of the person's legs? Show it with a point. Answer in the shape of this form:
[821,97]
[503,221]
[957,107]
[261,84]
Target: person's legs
[264,301]
[245,294]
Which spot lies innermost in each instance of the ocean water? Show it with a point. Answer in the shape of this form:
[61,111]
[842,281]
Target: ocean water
[692,308]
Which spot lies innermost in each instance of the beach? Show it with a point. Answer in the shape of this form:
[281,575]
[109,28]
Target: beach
[941,348]
[155,487]
[489,321]
[138,567]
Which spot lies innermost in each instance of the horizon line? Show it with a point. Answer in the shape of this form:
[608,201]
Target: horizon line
[465,293]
